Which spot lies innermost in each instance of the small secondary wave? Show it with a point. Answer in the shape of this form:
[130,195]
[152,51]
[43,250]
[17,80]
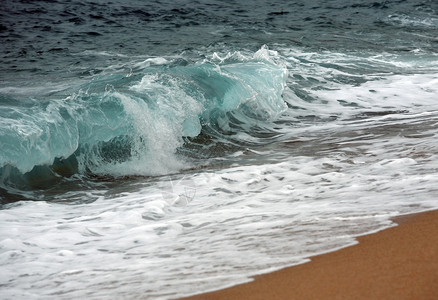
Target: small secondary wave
[135,124]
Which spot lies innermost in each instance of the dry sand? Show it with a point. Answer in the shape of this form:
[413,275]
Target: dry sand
[396,263]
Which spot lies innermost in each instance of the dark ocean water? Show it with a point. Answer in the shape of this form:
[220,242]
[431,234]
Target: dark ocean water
[170,147]
[60,40]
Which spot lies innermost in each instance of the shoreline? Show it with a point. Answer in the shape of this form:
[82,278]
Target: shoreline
[395,263]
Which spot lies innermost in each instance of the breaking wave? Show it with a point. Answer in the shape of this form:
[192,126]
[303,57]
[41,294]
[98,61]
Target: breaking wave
[144,123]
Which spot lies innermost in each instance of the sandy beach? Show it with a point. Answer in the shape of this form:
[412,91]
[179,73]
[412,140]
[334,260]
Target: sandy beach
[396,263]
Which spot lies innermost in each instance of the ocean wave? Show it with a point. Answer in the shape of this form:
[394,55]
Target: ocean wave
[117,124]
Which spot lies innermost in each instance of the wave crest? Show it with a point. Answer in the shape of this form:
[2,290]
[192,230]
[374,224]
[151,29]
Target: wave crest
[134,125]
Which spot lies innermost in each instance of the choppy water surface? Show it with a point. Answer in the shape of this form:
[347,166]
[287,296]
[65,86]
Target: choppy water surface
[160,150]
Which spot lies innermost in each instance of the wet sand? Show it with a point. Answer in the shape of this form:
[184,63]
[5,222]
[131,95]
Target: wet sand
[397,263]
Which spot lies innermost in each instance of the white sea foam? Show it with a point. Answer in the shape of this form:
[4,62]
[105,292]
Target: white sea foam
[412,21]
[181,234]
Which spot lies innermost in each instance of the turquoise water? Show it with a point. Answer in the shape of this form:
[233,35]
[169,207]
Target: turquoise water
[163,149]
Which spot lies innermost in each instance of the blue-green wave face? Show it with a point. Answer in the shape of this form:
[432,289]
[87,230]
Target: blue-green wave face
[141,123]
